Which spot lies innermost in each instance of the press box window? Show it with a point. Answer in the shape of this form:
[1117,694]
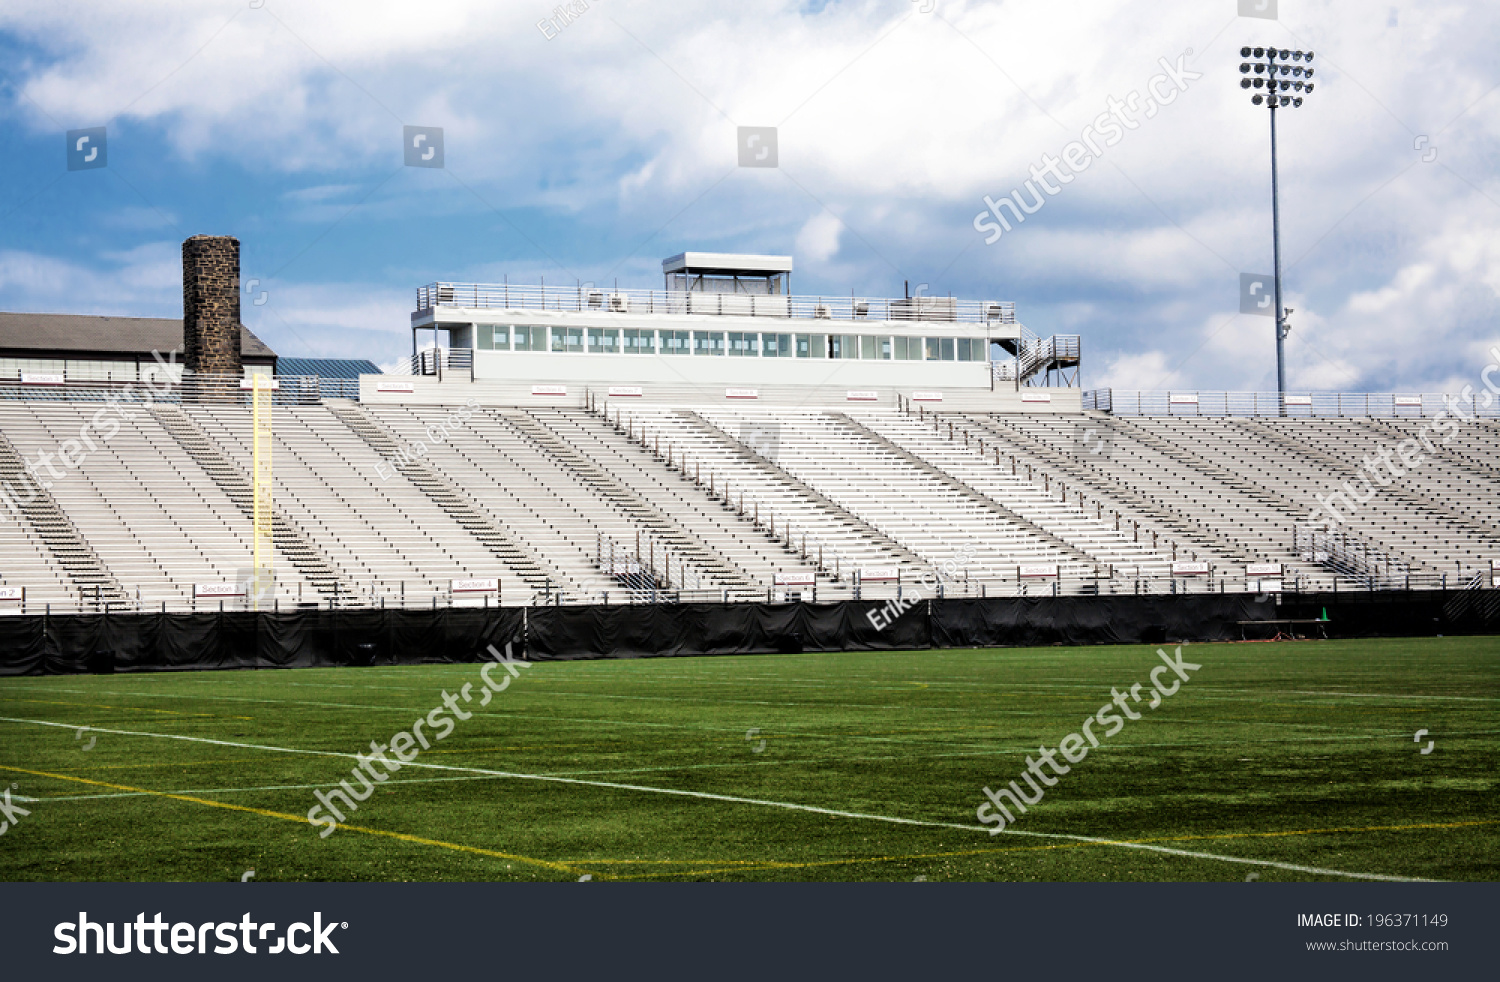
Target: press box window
[776,345]
[492,337]
[568,340]
[531,338]
[640,342]
[604,340]
[940,349]
[908,349]
[675,342]
[708,342]
[971,349]
[812,346]
[743,345]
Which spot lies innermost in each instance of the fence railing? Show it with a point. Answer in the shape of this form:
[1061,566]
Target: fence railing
[586,299]
[1189,402]
[625,594]
[290,390]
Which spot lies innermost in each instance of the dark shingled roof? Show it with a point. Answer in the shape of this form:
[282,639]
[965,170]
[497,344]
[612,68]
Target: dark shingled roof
[90,333]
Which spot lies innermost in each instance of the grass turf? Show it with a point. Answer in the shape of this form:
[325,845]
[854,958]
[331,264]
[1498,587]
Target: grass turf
[1300,754]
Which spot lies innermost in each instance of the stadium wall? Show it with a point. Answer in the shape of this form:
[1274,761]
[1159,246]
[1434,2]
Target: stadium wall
[79,643]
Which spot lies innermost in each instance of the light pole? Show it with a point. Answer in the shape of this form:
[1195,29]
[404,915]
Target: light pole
[1282,87]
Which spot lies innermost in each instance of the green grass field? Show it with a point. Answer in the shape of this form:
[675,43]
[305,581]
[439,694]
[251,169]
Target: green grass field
[1297,756]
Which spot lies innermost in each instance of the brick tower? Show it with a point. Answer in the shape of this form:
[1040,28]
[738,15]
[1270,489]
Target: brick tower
[211,305]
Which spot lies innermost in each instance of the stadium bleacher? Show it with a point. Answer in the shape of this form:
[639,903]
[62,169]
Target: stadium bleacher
[715,517]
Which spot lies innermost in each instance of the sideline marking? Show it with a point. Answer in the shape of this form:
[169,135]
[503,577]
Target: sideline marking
[735,799]
[301,819]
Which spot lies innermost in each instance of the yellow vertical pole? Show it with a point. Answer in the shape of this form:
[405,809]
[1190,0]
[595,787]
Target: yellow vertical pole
[265,556]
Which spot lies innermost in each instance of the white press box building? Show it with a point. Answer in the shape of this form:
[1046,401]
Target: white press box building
[727,327]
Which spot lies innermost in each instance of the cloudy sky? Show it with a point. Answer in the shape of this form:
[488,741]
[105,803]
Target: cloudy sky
[589,148]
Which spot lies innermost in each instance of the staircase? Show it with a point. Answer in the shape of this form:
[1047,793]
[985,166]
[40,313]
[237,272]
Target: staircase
[662,528]
[288,538]
[537,575]
[72,552]
[974,495]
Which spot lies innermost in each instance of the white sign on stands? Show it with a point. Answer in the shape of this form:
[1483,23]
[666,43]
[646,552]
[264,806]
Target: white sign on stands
[549,390]
[625,390]
[1266,586]
[795,579]
[218,591]
[1038,570]
[1183,399]
[1190,569]
[1299,400]
[249,383]
[13,594]
[741,393]
[879,574]
[1408,400]
[395,387]
[862,395]
[1036,397]
[475,586]
[29,378]
[1495,565]
[1263,569]
[926,397]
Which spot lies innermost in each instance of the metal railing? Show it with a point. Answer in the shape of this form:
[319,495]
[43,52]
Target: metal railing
[441,361]
[291,390]
[382,596]
[1191,402]
[588,299]
[1350,554]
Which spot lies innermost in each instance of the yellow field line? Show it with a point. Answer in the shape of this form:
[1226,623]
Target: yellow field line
[300,819]
[134,709]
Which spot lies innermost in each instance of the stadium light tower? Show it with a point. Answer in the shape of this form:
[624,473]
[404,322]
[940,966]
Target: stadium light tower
[1282,80]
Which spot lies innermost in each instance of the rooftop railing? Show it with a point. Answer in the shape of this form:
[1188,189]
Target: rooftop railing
[587,299]
[1189,402]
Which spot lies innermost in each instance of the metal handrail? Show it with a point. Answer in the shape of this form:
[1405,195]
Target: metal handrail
[1193,402]
[590,299]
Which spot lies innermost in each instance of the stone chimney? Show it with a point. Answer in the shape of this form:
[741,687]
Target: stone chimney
[211,305]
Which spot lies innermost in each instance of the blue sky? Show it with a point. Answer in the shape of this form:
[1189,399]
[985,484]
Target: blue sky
[594,153]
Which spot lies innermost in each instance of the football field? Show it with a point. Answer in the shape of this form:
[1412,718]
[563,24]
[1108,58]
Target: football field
[1274,761]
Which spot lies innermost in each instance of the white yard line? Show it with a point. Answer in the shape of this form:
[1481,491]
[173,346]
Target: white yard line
[760,802]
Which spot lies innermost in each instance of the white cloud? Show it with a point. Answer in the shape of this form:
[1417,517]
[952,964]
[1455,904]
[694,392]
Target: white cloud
[895,121]
[818,241]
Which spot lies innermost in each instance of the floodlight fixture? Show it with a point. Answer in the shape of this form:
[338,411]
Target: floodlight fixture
[1280,79]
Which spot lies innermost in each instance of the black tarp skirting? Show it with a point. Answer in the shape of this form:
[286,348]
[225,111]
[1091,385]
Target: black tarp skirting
[74,643]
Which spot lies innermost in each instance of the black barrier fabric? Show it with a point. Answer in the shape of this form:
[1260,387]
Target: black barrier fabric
[720,629]
[37,645]
[63,644]
[1411,614]
[1022,621]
